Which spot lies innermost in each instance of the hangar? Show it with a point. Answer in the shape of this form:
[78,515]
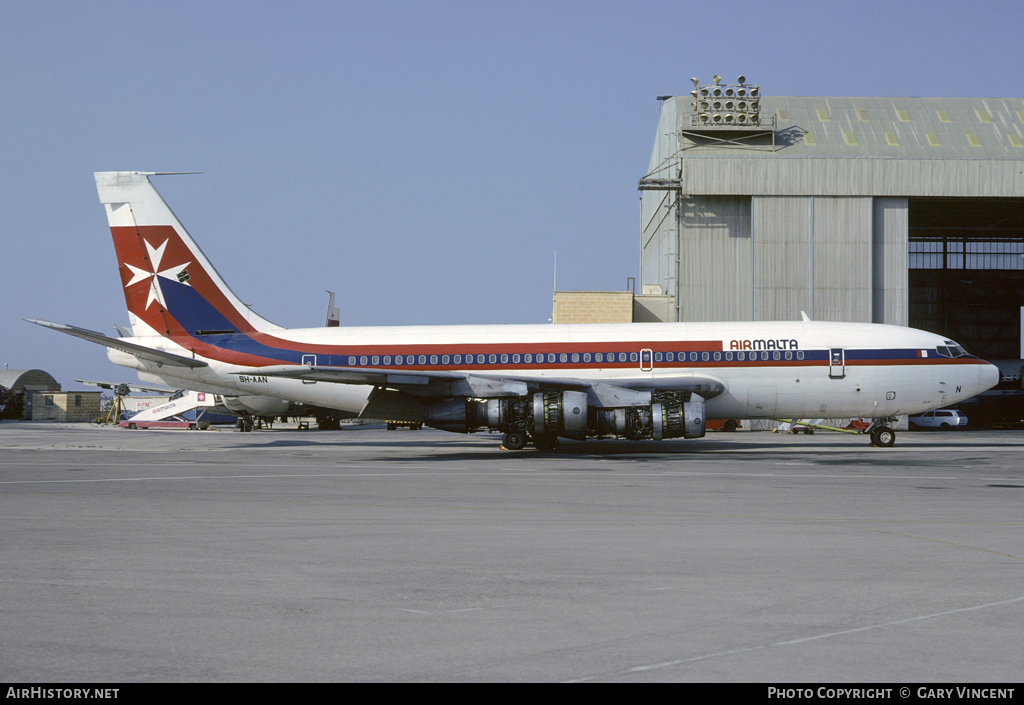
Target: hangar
[908,211]
[19,381]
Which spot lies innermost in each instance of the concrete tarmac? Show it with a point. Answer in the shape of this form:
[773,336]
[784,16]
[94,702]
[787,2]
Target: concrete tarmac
[368,555]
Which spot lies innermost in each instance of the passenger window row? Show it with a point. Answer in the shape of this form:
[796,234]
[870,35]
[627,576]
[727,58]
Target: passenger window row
[585,358]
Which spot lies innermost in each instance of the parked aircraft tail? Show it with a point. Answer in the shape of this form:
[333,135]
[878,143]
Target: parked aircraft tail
[170,287]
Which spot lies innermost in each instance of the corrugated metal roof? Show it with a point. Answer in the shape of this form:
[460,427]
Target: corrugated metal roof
[18,380]
[850,146]
[939,128]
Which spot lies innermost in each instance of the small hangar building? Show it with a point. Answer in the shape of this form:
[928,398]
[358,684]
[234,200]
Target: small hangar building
[908,211]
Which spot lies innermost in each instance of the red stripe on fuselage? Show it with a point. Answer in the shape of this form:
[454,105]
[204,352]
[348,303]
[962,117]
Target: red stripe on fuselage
[130,247]
[208,351]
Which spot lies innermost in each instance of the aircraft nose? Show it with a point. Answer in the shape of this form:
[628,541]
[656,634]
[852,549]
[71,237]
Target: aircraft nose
[988,376]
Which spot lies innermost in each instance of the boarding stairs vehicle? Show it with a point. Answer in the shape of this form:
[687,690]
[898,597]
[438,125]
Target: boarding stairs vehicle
[169,415]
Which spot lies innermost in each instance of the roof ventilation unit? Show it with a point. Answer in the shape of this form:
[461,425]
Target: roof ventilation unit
[731,105]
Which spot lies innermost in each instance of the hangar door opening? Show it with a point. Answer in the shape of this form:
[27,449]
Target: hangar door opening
[966,278]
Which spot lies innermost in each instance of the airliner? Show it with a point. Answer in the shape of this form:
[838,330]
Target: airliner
[532,383]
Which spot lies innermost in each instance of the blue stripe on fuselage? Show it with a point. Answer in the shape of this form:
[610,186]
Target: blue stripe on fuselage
[194,313]
[190,309]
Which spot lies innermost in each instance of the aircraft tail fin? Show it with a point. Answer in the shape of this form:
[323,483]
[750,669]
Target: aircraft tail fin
[170,287]
[333,313]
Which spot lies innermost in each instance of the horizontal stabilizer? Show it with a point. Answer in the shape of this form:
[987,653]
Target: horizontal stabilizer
[126,388]
[139,351]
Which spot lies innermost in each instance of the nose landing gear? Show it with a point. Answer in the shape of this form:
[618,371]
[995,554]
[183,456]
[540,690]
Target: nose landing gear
[882,435]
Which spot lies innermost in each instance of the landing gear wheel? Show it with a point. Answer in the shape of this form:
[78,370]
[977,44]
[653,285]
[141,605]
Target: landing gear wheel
[514,440]
[883,437]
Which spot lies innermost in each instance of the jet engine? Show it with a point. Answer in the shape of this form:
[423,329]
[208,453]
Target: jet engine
[541,414]
[670,415]
[567,414]
[256,404]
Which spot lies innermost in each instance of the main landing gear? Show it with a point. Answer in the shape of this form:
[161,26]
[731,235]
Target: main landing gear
[513,440]
[517,440]
[244,423]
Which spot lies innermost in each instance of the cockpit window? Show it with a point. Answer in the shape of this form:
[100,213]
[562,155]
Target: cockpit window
[951,349]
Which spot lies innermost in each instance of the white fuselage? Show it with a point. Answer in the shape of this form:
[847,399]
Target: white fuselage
[768,370]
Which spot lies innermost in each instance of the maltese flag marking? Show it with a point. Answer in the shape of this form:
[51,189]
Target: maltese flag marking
[156,254]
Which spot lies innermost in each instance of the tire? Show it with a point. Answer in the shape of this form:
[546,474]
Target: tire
[730,426]
[514,440]
[883,437]
[131,426]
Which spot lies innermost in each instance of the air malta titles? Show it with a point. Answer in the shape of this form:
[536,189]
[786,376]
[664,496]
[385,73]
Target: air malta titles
[779,344]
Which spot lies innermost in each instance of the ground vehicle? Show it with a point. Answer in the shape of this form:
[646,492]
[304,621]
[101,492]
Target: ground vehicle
[724,425]
[412,425]
[940,418]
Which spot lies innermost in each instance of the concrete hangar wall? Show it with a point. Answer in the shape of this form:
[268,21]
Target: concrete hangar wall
[856,209]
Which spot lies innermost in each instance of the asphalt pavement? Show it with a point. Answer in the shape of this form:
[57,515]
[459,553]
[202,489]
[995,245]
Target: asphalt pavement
[369,555]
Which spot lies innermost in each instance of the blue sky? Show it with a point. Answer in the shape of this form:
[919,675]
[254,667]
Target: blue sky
[422,159]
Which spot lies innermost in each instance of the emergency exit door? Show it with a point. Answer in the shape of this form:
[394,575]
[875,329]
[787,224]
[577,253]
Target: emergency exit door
[836,363]
[646,360]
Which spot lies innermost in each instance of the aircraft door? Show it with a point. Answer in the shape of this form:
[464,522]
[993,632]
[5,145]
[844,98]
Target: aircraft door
[309,361]
[836,363]
[646,360]
[761,402]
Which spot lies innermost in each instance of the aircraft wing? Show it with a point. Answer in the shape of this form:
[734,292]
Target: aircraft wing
[420,384]
[440,383]
[139,351]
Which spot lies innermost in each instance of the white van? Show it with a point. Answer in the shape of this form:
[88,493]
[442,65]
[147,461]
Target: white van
[940,418]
